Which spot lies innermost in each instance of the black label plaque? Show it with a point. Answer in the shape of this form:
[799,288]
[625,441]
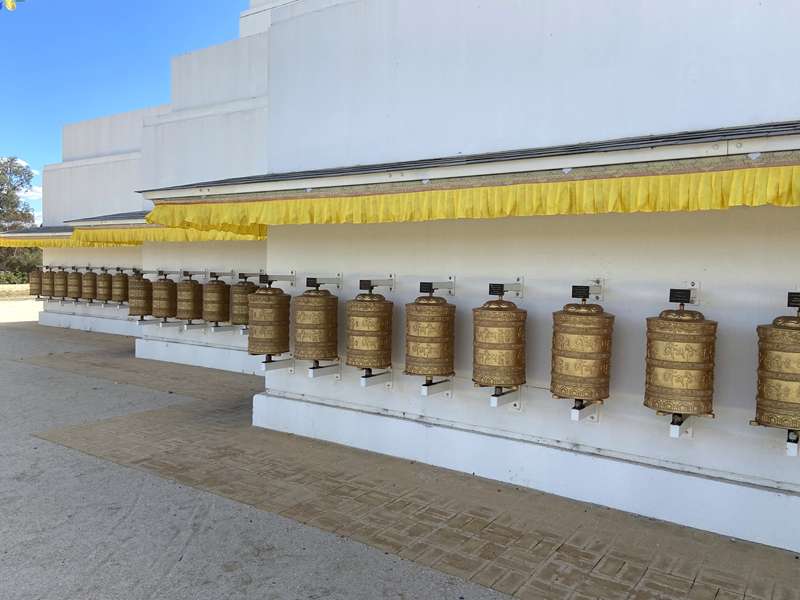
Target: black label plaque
[263,278]
[365,285]
[497,289]
[311,282]
[680,296]
[425,287]
[580,291]
[794,300]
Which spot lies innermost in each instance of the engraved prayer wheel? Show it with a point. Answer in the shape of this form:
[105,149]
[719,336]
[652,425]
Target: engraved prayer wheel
[74,284]
[498,358]
[679,375]
[47,284]
[216,301]
[240,309]
[140,296]
[778,396]
[316,325]
[35,282]
[59,284]
[369,331]
[89,286]
[165,298]
[104,286]
[119,287]
[189,300]
[430,337]
[269,322]
[581,352]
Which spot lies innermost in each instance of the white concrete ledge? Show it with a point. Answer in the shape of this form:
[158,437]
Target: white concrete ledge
[744,511]
[227,359]
[120,325]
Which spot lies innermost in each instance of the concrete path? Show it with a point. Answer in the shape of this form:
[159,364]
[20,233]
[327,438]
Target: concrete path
[77,527]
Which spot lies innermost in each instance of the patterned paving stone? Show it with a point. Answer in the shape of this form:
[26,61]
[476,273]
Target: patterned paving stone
[520,542]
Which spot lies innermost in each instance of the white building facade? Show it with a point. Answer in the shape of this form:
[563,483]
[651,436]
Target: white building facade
[646,145]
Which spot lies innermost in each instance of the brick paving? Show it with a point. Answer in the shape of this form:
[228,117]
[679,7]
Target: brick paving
[518,541]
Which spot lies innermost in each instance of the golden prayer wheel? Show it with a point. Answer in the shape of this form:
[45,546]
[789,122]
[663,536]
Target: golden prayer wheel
[216,301]
[165,298]
[74,285]
[47,284]
[104,286]
[679,376]
[498,358]
[240,310]
[369,331]
[581,352]
[89,286]
[269,322]
[190,300]
[778,399]
[430,337]
[140,296]
[316,325]
[35,282]
[59,284]
[119,287]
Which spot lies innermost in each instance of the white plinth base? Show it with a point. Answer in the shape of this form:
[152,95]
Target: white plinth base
[738,510]
[119,326]
[227,359]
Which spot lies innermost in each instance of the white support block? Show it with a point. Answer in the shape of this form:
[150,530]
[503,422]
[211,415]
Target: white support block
[191,326]
[278,365]
[684,430]
[333,369]
[437,387]
[221,328]
[791,448]
[511,397]
[170,324]
[590,413]
[384,377]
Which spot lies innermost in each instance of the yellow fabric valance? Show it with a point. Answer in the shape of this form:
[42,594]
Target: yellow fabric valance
[46,242]
[711,190]
[152,233]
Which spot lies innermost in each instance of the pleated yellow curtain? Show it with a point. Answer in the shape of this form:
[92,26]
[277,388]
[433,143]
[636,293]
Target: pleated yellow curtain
[138,235]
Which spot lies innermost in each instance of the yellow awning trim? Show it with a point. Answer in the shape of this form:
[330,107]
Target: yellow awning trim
[158,234]
[32,242]
[711,190]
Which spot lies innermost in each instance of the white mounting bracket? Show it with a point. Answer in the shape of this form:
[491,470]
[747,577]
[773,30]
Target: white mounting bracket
[429,287]
[334,368]
[190,326]
[511,397]
[792,443]
[244,330]
[517,287]
[590,413]
[170,324]
[597,287]
[222,328]
[371,379]
[684,430]
[366,285]
[267,278]
[694,286]
[445,387]
[277,365]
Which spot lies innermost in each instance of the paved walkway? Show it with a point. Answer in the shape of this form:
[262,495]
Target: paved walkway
[517,541]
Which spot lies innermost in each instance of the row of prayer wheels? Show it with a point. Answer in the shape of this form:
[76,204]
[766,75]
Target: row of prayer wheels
[679,374]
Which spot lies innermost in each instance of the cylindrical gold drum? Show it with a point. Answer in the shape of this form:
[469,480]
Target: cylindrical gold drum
[581,352]
[140,296]
[430,337]
[240,311]
[104,286]
[778,399]
[679,376]
[369,332]
[216,301]
[74,284]
[498,358]
[316,326]
[190,300]
[165,299]
[89,286]
[47,284]
[59,284]
[35,282]
[269,322]
[119,287]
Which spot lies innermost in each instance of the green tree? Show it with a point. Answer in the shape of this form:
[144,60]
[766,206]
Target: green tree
[15,179]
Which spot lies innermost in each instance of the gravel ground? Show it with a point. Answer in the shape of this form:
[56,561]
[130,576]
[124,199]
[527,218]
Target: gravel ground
[76,527]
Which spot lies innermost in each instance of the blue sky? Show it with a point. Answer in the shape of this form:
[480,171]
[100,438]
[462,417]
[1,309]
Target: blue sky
[70,60]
